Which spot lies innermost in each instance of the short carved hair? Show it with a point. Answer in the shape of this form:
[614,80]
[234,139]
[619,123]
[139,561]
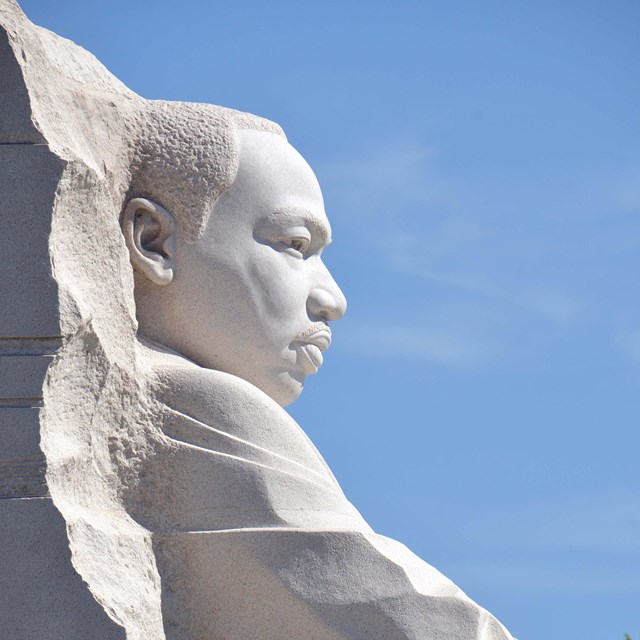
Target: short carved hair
[186,155]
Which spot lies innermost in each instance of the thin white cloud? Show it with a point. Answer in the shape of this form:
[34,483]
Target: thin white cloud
[554,305]
[544,576]
[384,182]
[423,343]
[425,250]
[598,539]
[627,342]
[612,524]
[607,523]
[619,193]
[409,213]
[528,251]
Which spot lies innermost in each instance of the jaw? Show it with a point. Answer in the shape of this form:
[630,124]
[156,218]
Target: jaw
[283,387]
[282,382]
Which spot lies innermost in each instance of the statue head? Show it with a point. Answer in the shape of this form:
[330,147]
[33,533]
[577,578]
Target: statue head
[225,226]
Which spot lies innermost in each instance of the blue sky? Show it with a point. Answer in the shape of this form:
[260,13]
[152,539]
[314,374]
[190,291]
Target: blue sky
[481,168]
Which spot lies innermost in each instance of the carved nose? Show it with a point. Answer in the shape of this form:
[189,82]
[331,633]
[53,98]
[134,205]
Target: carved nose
[327,303]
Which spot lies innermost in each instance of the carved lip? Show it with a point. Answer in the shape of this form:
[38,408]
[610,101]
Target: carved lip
[318,335]
[310,358]
[310,344]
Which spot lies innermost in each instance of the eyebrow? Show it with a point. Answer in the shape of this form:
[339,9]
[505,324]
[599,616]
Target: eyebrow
[310,219]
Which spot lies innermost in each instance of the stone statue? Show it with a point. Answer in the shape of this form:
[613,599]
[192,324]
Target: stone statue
[178,302]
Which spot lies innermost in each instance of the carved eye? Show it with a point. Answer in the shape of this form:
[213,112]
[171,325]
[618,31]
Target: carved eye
[299,245]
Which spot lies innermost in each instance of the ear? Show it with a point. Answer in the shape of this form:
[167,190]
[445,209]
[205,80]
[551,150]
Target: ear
[150,235]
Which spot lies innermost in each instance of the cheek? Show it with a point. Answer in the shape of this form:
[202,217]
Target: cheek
[278,283]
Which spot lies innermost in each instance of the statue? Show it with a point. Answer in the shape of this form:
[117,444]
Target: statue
[191,301]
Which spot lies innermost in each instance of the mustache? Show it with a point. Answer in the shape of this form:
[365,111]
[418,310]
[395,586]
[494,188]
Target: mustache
[318,332]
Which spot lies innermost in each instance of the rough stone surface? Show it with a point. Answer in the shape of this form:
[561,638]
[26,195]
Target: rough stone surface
[16,124]
[166,298]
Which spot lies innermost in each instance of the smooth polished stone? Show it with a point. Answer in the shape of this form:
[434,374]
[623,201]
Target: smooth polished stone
[29,178]
[34,551]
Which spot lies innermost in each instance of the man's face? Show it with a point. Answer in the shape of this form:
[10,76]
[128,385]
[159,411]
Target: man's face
[252,296]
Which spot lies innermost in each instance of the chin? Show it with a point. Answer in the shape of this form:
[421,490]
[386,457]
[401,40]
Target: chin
[283,388]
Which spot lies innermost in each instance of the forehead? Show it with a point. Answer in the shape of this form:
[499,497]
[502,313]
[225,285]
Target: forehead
[277,179]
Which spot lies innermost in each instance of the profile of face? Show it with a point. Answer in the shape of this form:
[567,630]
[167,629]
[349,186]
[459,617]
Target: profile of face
[252,296]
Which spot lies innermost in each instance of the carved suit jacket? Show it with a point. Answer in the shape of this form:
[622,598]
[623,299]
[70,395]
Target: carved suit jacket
[254,538]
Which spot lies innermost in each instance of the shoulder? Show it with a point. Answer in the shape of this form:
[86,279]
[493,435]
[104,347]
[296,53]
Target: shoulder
[227,404]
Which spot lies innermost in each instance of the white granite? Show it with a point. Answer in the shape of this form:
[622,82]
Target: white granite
[177,287]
